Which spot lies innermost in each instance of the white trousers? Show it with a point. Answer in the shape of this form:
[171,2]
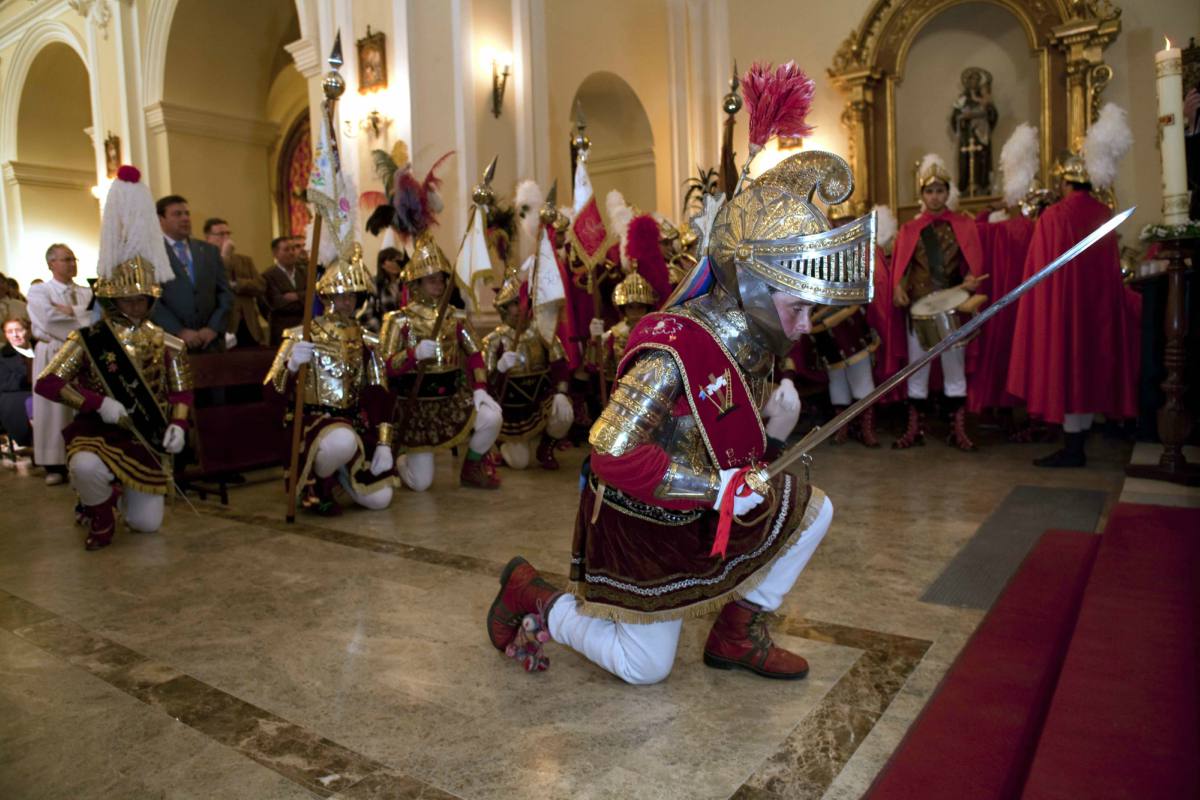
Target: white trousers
[1077,423]
[92,480]
[643,654]
[850,383]
[49,418]
[336,449]
[416,469]
[516,452]
[954,371]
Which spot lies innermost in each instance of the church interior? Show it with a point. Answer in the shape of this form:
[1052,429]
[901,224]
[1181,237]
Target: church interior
[420,278]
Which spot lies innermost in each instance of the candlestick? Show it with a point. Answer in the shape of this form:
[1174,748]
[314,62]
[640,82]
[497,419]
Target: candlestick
[1168,69]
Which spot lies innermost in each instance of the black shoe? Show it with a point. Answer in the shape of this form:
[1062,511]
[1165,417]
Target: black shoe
[1071,455]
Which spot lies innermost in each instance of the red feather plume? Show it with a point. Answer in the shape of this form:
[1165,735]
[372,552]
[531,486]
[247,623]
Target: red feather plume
[777,102]
[641,243]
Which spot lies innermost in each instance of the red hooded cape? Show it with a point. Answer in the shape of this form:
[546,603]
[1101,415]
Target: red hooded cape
[893,331]
[1075,347]
[1005,245]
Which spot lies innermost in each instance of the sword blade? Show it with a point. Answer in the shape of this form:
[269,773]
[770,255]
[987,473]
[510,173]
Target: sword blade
[820,434]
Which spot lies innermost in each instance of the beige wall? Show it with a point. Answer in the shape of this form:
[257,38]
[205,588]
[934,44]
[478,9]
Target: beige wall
[54,111]
[970,35]
[627,38]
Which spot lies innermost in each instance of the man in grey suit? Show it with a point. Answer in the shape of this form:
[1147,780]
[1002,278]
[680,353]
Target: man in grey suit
[195,304]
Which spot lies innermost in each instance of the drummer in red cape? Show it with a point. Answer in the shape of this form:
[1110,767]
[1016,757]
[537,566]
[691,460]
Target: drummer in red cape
[937,250]
[1075,347]
[677,516]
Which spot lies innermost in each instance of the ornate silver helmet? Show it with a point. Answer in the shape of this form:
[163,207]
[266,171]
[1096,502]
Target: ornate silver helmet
[771,237]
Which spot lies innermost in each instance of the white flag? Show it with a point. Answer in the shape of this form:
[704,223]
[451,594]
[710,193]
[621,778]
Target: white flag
[474,259]
[549,294]
[583,186]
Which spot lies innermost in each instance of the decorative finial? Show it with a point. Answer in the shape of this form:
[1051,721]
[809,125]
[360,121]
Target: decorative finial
[333,84]
[549,210]
[483,195]
[732,102]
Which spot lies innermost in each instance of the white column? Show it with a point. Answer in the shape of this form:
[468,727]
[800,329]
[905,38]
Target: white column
[531,90]
[463,52]
[132,127]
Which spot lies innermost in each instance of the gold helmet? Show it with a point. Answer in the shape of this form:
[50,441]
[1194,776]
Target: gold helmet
[346,275]
[510,290]
[772,238]
[132,278]
[933,169]
[634,289]
[427,259]
[1071,167]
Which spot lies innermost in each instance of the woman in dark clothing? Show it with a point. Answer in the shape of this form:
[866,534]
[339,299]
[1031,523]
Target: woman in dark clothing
[389,283]
[16,363]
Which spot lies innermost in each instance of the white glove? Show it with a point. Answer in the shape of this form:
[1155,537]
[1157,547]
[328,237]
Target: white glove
[111,411]
[482,398]
[301,353]
[173,439]
[510,360]
[561,411]
[382,459]
[741,505]
[425,349]
[596,328]
[782,410]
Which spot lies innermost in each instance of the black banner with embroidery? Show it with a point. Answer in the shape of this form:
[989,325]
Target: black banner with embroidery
[124,383]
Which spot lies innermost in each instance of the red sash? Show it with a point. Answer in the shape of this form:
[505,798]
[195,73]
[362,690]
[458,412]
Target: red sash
[717,392]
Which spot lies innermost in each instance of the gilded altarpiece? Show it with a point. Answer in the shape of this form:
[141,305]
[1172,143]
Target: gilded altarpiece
[1068,38]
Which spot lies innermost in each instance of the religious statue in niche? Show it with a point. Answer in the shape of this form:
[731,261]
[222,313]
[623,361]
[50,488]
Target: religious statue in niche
[972,120]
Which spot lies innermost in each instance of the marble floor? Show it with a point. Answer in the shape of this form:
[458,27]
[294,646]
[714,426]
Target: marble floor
[235,656]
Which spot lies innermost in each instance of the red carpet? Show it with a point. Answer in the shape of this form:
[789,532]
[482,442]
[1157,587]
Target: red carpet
[1123,722]
[976,737]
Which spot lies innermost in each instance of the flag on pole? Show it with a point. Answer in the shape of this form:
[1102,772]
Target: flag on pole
[474,262]
[333,198]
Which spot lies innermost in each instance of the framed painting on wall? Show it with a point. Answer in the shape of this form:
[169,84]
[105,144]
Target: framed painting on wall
[372,62]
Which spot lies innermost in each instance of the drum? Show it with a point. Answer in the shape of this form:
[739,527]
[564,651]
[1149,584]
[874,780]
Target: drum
[842,336]
[939,314]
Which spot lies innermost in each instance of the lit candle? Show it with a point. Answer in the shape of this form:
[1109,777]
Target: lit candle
[1168,68]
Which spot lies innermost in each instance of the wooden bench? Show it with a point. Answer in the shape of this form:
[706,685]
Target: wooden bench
[242,431]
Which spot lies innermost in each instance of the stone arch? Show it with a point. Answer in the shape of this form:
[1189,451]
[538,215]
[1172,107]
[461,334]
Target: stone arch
[39,35]
[51,172]
[622,155]
[214,114]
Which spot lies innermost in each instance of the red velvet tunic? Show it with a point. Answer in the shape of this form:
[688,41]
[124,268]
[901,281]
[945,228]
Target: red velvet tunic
[1005,245]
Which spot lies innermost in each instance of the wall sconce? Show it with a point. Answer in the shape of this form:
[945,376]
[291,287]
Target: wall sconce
[375,122]
[501,65]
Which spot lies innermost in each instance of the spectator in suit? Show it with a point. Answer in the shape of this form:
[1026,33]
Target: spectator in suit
[285,287]
[195,304]
[249,287]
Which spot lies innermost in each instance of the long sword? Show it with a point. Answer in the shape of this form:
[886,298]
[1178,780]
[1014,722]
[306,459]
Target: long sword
[801,449]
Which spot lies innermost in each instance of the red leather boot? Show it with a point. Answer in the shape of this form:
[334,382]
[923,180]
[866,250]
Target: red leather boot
[843,434]
[739,639]
[866,428]
[958,436]
[478,473]
[101,523]
[545,452]
[522,591]
[914,432]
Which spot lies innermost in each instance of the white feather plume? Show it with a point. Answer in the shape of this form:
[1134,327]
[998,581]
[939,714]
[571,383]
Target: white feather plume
[885,226]
[620,214]
[527,202]
[1019,162]
[129,227]
[1106,143]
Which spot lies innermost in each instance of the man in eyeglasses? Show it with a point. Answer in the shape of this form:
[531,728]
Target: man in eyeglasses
[56,307]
